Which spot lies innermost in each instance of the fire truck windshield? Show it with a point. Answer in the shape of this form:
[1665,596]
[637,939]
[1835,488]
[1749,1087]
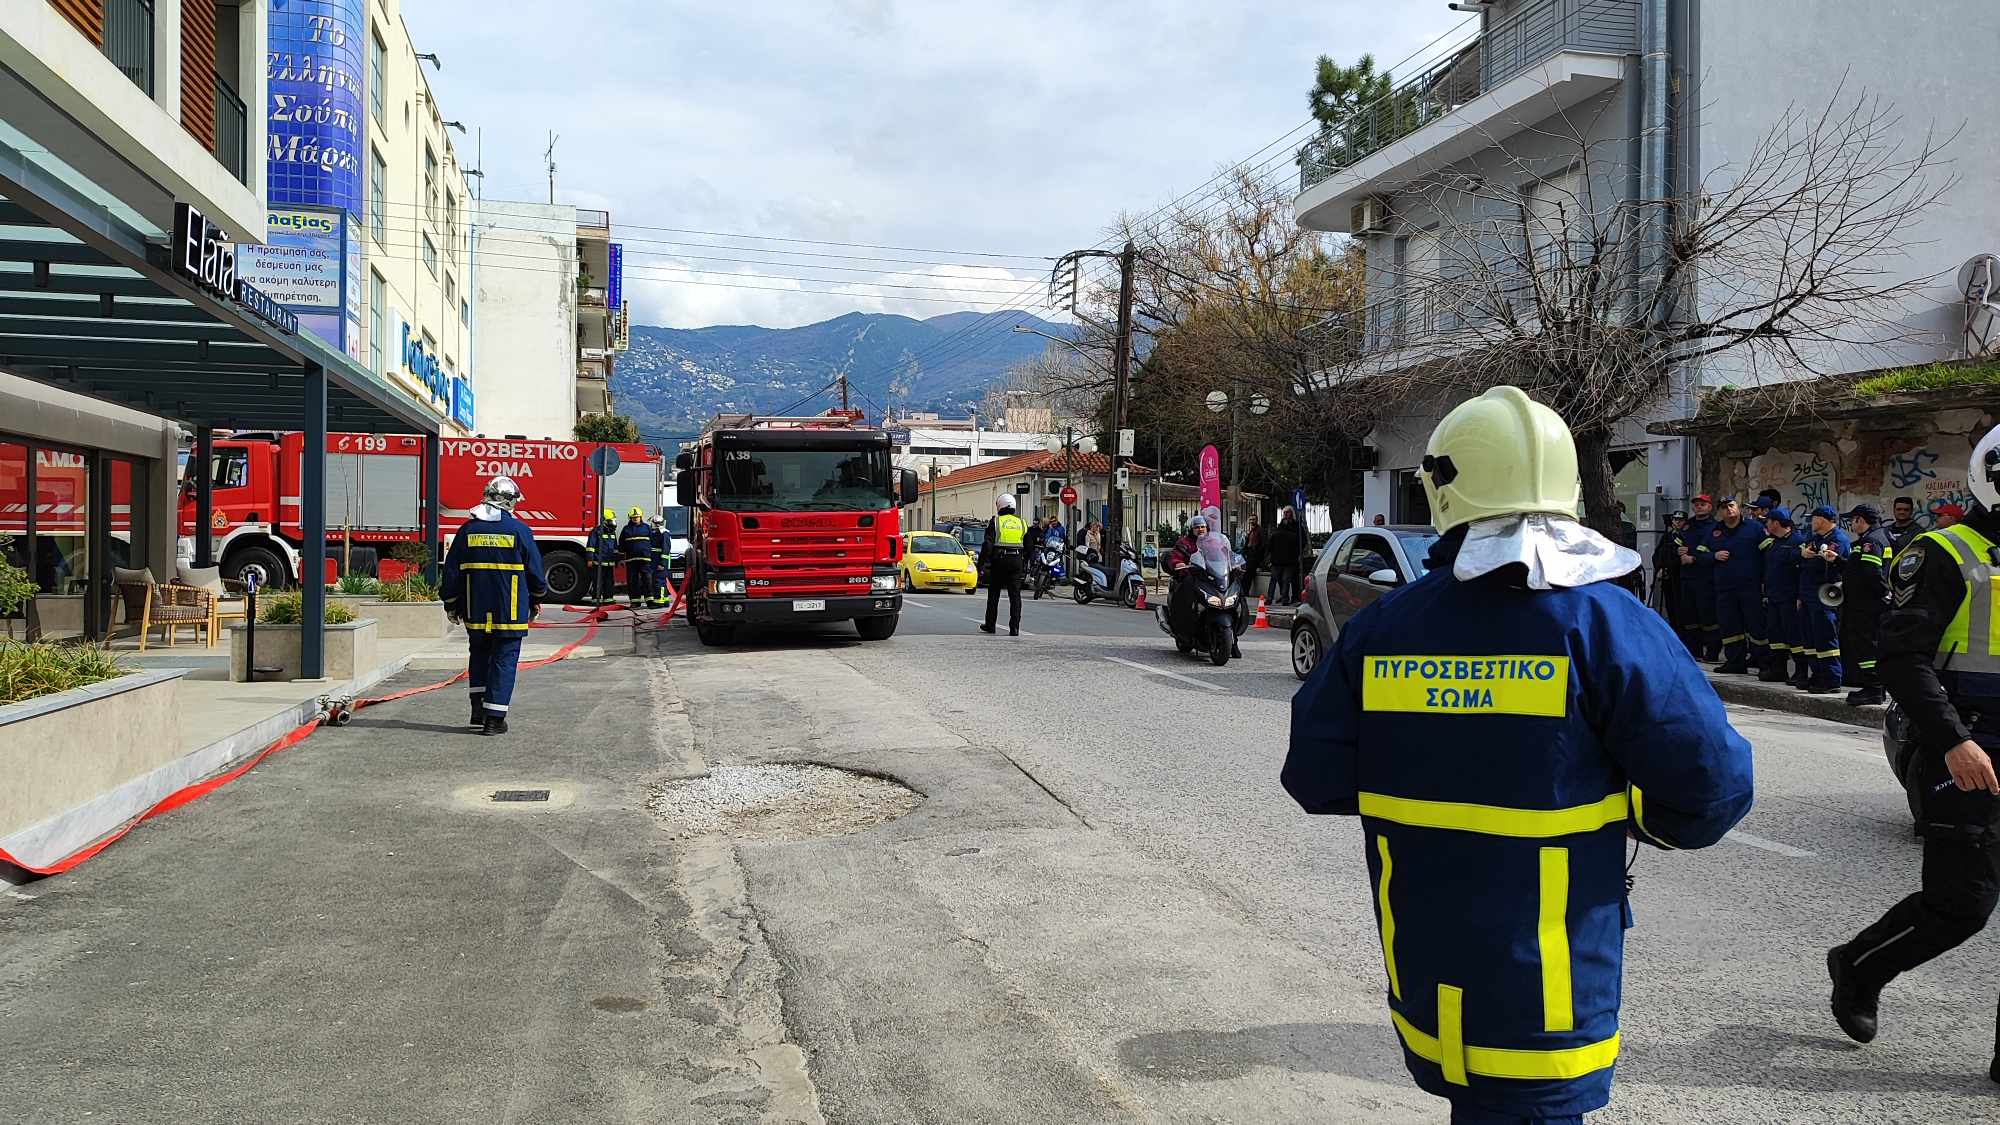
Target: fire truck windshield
[757,479]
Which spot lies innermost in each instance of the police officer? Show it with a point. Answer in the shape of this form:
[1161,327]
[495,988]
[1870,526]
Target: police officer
[603,548]
[1700,579]
[1941,661]
[1000,558]
[1738,570]
[1824,553]
[1864,598]
[635,546]
[1499,733]
[1782,558]
[492,582]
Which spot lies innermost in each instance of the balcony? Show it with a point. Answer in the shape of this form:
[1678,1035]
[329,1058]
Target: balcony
[232,131]
[593,223]
[1542,58]
[591,295]
[128,39]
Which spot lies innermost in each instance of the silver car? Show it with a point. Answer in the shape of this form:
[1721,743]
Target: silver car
[1355,567]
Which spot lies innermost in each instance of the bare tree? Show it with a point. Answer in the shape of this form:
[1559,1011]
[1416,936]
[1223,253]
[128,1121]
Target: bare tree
[1790,263]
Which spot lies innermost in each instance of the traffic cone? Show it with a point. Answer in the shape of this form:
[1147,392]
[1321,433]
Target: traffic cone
[1262,621]
[1141,604]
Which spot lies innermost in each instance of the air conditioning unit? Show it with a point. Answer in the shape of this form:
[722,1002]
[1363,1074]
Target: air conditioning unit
[1369,216]
[1053,487]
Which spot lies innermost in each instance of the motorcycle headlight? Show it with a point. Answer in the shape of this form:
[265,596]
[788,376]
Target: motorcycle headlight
[919,564]
[882,582]
[726,586]
[1229,601]
[1215,599]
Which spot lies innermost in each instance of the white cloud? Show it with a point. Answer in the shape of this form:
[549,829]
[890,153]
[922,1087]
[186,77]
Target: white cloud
[1023,128]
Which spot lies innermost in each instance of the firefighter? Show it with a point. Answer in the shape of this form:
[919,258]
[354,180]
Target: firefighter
[635,546]
[1824,554]
[662,558]
[1699,578]
[1000,558]
[1669,582]
[1500,724]
[1781,597]
[603,547]
[1940,659]
[492,583]
[1864,597]
[1737,570]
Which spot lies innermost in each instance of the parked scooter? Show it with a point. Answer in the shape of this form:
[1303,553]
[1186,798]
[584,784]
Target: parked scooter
[1210,613]
[1046,570]
[1090,581]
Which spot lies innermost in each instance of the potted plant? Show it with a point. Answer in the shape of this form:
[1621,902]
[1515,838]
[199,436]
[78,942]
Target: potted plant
[350,640]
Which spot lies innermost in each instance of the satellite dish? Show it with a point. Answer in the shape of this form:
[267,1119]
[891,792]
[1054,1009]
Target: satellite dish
[1218,401]
[1979,280]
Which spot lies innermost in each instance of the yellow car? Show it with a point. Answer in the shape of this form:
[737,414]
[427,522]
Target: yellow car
[933,560]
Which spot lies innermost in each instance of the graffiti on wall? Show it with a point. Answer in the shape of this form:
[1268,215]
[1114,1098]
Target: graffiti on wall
[1812,482]
[1843,464]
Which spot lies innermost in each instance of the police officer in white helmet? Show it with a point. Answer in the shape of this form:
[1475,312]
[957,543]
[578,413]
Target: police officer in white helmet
[492,580]
[1000,560]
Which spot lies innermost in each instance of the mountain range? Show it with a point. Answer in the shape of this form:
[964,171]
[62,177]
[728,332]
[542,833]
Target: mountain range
[672,380]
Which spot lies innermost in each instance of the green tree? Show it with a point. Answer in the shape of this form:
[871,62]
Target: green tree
[606,427]
[1338,92]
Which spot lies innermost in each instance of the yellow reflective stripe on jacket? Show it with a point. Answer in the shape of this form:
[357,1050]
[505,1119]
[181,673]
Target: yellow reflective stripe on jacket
[514,596]
[1552,936]
[1388,920]
[1451,1034]
[1496,820]
[1639,809]
[1502,1062]
[497,626]
[492,566]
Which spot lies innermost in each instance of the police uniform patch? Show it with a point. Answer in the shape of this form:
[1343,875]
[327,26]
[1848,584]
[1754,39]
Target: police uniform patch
[1908,564]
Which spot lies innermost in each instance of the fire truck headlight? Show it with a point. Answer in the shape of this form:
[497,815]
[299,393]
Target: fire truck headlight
[882,582]
[726,586]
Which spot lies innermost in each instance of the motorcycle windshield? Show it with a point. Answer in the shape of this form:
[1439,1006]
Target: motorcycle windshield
[1215,555]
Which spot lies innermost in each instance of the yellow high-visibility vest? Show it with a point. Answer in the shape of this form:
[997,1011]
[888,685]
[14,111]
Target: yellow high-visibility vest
[1010,529]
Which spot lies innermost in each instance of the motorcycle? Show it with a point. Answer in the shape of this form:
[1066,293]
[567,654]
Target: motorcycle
[1210,613]
[1090,581]
[1046,570]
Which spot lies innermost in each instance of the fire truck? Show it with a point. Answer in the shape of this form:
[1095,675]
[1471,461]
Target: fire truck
[796,521]
[373,501]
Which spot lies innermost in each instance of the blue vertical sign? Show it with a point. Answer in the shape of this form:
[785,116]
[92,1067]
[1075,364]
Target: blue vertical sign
[615,293]
[313,148]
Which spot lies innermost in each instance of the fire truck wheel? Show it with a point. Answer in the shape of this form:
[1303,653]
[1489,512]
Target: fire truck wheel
[269,568]
[714,636]
[566,572]
[875,628]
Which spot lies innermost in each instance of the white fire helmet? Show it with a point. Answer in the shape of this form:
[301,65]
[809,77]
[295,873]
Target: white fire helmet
[1983,475]
[502,492]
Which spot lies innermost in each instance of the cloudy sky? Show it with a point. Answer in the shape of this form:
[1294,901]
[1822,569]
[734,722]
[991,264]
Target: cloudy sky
[960,130]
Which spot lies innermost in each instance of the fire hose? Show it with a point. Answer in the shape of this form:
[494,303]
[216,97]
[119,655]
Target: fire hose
[334,711]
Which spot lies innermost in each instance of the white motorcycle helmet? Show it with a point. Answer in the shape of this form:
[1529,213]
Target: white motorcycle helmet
[1982,476]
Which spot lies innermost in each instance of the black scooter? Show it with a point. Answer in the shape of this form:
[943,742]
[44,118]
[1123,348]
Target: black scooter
[1208,617]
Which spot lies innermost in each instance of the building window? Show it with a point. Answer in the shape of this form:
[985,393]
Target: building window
[465,312]
[430,255]
[378,76]
[450,222]
[430,182]
[378,197]
[450,290]
[378,321]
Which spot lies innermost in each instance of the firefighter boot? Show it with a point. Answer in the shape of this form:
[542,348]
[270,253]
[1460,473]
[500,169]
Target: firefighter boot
[495,724]
[478,719]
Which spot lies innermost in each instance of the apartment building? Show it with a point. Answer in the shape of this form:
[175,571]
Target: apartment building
[600,310]
[1548,110]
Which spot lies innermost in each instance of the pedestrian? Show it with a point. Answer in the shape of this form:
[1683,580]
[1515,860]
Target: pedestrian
[1941,662]
[1379,521]
[1500,725]
[1667,575]
[1284,554]
[603,548]
[1254,551]
[1701,578]
[1864,597]
[635,546]
[1783,628]
[1904,527]
[1000,562]
[1738,573]
[493,584]
[1947,515]
[1824,553]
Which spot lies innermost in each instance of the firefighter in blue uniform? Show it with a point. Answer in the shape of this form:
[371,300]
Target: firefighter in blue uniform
[492,583]
[1760,650]
[662,557]
[1824,554]
[1781,595]
[1864,598]
[635,546]
[603,548]
[1738,574]
[1500,725]
[1700,579]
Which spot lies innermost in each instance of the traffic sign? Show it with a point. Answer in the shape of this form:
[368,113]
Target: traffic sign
[1069,496]
[604,460]
[1299,499]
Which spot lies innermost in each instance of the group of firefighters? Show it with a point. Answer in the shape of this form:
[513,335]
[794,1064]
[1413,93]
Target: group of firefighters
[1797,601]
[643,546]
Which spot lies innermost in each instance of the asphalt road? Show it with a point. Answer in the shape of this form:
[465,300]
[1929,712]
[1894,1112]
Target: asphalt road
[1149,929]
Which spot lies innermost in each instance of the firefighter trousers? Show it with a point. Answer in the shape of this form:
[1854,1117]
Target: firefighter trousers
[491,659]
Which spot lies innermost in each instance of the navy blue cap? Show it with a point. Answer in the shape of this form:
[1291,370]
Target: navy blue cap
[1868,512]
[1826,511]
[1780,513]
[1771,494]
[1727,500]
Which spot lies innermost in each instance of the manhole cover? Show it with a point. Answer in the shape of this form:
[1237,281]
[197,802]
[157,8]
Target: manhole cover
[784,802]
[520,795]
[515,796]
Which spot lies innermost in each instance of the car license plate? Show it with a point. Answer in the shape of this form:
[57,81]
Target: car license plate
[809,606]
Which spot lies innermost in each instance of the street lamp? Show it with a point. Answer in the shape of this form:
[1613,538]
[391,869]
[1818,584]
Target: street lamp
[1219,401]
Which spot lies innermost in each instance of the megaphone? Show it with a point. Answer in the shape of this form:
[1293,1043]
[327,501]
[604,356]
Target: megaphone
[1830,595]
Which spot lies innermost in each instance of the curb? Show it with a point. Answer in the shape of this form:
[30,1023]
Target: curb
[1749,692]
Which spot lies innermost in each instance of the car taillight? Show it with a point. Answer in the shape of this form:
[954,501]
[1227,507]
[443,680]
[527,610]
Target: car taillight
[1306,589]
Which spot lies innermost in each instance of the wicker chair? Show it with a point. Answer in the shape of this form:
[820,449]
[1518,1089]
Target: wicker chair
[167,608]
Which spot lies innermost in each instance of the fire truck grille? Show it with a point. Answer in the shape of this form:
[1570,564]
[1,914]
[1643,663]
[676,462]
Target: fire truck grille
[792,563]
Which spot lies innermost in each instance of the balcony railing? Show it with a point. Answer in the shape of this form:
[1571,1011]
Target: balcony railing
[128,39]
[600,219]
[1532,34]
[232,131]
[591,295]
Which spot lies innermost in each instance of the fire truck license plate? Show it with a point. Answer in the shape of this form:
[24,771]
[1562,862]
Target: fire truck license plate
[811,606]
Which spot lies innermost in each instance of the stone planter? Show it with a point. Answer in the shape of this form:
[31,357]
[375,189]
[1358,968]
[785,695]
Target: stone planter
[421,620]
[60,751]
[350,650]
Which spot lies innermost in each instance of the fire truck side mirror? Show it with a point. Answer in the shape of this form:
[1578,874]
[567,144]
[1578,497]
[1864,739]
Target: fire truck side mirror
[684,461]
[685,487]
[908,488]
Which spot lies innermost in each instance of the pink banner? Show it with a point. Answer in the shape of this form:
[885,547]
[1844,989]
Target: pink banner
[1211,477]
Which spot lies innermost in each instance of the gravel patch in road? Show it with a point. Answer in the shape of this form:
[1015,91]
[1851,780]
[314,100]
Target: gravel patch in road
[781,802]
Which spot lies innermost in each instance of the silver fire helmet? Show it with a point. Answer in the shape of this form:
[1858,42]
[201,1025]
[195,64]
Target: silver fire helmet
[502,492]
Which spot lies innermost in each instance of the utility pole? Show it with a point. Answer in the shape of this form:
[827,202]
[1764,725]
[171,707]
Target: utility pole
[843,391]
[549,158]
[1235,499]
[1063,288]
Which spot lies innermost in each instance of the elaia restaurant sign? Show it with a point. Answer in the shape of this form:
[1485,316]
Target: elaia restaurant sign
[204,254]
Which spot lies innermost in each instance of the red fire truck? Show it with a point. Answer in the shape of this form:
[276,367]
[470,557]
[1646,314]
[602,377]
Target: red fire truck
[797,520]
[372,496]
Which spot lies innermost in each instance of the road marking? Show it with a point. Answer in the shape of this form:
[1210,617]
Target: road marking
[1772,846]
[1150,670]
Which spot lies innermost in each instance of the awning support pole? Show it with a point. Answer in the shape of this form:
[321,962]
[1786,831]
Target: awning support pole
[312,514]
[204,495]
[433,452]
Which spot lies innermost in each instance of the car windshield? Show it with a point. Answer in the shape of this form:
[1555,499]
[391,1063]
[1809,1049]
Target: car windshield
[677,522]
[754,479]
[935,545]
[1417,547]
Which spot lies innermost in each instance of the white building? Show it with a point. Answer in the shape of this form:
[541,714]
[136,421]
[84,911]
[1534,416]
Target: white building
[525,304]
[922,447]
